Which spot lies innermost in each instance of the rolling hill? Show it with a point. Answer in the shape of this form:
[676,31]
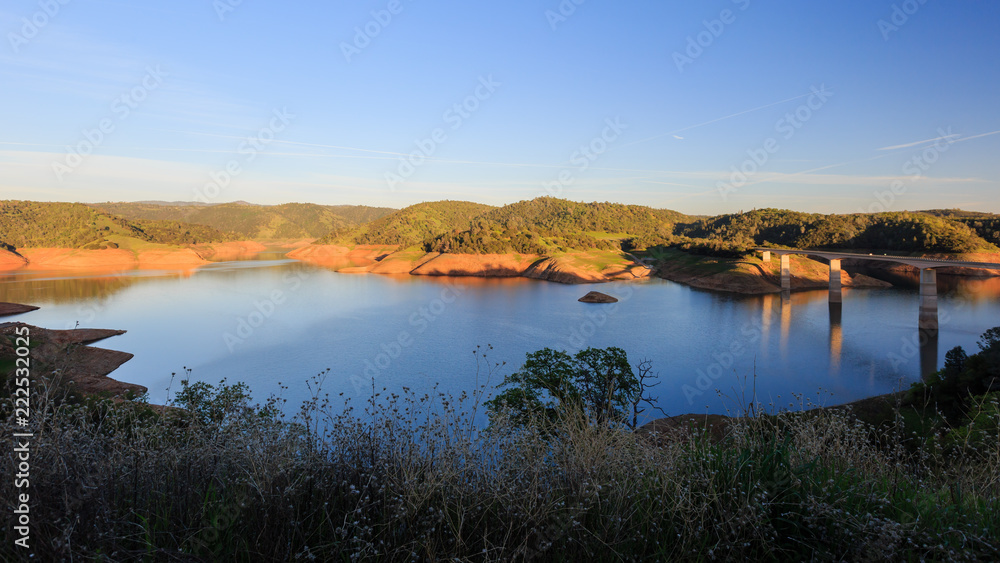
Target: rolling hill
[410,226]
[254,222]
[78,226]
[899,232]
[544,225]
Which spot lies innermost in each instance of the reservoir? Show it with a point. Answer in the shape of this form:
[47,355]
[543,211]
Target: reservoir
[274,322]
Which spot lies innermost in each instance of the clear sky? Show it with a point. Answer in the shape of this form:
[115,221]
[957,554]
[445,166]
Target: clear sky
[704,107]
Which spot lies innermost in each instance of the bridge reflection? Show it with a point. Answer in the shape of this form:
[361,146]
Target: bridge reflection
[928,315]
[923,345]
[836,335]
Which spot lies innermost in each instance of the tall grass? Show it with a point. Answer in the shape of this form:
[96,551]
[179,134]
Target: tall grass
[413,478]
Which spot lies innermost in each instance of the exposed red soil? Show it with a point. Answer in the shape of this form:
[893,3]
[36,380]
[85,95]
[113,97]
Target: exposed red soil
[223,251]
[11,261]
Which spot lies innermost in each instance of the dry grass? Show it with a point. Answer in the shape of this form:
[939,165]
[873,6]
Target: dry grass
[405,478]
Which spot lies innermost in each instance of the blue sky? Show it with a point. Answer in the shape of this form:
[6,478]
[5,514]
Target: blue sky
[708,107]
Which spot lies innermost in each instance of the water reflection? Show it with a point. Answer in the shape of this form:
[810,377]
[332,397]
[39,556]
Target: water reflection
[58,287]
[929,342]
[867,346]
[786,321]
[836,336]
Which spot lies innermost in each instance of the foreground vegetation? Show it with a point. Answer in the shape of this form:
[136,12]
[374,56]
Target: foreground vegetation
[417,479]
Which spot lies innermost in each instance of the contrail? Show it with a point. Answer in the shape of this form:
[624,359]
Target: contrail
[674,132]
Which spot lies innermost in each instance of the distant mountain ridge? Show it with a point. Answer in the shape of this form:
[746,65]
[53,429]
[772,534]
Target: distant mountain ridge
[75,225]
[251,221]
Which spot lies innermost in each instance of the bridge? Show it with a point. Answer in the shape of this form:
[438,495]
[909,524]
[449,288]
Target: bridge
[927,266]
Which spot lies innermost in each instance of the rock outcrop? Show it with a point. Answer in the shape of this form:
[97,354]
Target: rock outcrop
[66,353]
[597,297]
[7,309]
[570,268]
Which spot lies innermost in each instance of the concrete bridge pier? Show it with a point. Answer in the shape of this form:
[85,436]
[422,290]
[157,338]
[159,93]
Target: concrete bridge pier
[836,294]
[786,272]
[928,300]
[767,257]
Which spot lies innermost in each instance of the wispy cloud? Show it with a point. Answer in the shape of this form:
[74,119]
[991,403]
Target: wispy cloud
[953,140]
[977,136]
[716,120]
[915,143]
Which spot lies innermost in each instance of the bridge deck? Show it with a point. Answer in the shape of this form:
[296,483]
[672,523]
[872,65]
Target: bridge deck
[917,262]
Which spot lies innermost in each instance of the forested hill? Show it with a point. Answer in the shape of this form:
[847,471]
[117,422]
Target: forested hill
[75,225]
[412,225]
[903,231]
[254,222]
[986,225]
[540,226]
[546,224]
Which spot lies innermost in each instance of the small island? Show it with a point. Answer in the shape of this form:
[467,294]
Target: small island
[597,297]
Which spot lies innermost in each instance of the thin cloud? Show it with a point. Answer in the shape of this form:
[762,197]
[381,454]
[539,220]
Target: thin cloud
[915,143]
[977,136]
[723,118]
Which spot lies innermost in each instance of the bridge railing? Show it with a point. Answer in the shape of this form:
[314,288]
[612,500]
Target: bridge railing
[863,251]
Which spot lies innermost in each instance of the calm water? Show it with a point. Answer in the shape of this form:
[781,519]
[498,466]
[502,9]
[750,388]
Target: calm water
[273,320]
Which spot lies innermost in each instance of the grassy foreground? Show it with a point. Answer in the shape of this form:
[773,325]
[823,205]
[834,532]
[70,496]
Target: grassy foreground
[411,479]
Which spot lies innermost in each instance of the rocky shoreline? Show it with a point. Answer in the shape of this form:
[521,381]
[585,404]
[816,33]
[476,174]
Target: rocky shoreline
[68,353]
[575,268]
[754,277]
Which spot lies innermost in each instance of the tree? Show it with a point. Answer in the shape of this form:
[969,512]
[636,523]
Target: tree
[954,364]
[598,381]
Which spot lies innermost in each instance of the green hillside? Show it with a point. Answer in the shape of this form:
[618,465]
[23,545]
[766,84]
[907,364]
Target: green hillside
[900,232]
[246,221]
[412,225]
[986,225]
[548,225]
[75,225]
[544,225]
